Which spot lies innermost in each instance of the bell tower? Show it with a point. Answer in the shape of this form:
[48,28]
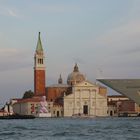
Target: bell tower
[39,69]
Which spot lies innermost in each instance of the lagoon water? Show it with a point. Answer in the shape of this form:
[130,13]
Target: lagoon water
[71,129]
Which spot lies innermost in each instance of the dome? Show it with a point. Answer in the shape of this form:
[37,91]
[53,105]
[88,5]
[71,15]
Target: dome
[75,76]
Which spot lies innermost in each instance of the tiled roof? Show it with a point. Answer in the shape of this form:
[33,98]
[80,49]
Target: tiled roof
[116,96]
[29,100]
[59,85]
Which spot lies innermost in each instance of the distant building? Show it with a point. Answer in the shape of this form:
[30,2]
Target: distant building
[85,99]
[119,105]
[128,87]
[56,91]
[27,106]
[32,106]
[77,97]
[8,107]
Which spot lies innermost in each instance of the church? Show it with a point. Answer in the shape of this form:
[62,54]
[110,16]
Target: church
[77,97]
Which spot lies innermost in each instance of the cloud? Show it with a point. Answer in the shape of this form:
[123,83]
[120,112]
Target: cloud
[12,13]
[57,8]
[118,50]
[134,50]
[13,59]
[123,38]
[8,51]
[16,71]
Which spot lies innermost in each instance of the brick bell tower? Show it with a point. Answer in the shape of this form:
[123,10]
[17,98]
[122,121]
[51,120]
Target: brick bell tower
[39,69]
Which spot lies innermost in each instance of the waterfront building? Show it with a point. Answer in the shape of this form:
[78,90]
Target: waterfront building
[128,87]
[27,106]
[33,106]
[119,105]
[57,110]
[85,99]
[78,96]
[7,109]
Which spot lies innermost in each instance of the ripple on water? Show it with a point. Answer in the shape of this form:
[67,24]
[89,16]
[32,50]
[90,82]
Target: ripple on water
[7,134]
[71,129]
[20,127]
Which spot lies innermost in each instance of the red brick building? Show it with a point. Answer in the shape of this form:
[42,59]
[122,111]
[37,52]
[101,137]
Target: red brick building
[119,105]
[56,91]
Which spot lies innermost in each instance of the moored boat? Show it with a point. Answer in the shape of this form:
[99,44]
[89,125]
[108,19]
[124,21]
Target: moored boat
[17,117]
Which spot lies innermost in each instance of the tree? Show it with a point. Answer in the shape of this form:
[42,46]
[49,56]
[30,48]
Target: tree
[28,94]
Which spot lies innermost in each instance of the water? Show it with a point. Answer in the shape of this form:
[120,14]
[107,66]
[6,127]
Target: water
[71,129]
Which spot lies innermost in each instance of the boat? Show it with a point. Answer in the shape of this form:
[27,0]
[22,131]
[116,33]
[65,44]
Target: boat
[17,117]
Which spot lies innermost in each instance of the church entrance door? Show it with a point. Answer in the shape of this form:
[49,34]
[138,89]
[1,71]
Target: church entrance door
[85,109]
[111,113]
[57,113]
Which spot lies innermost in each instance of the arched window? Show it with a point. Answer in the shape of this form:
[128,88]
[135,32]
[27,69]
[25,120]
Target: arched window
[40,61]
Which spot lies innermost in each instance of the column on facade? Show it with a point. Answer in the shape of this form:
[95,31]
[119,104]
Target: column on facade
[74,100]
[75,107]
[95,103]
[80,105]
[90,102]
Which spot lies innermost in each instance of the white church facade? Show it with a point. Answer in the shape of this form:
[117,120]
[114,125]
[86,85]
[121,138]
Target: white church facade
[86,99]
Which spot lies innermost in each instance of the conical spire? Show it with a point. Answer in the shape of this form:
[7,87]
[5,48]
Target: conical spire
[60,80]
[76,69]
[39,44]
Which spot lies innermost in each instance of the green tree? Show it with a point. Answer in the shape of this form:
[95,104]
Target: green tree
[28,94]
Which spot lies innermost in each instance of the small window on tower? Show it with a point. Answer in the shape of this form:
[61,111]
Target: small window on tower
[39,61]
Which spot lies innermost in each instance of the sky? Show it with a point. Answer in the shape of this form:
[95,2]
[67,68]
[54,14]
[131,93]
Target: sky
[101,36]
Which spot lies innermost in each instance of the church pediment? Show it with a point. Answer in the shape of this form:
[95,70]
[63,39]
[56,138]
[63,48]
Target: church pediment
[85,84]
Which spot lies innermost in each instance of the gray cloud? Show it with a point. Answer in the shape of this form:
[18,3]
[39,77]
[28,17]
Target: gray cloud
[16,72]
[123,37]
[13,59]
[129,51]
[10,11]
[56,8]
